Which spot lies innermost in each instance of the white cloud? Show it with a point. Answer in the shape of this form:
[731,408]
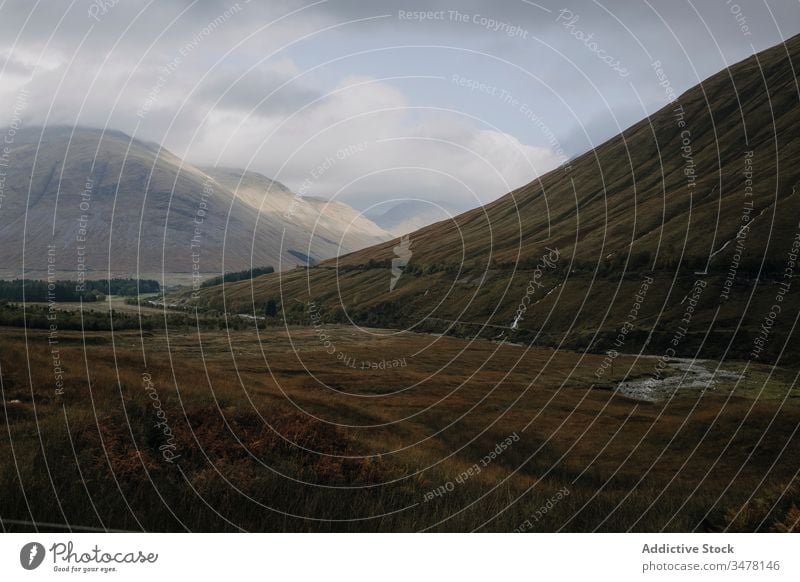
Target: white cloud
[365,132]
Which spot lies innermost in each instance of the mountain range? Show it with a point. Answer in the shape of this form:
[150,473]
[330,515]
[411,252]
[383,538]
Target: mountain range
[82,202]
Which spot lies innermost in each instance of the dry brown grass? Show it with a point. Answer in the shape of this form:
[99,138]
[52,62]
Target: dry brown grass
[274,437]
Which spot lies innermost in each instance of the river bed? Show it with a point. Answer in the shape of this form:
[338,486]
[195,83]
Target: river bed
[686,375]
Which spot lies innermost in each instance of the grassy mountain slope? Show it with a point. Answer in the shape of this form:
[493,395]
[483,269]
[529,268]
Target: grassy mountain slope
[662,201]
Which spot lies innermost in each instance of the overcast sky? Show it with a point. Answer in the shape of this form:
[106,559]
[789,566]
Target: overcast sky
[367,101]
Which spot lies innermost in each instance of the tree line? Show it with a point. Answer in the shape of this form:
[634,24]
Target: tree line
[237,276]
[68,291]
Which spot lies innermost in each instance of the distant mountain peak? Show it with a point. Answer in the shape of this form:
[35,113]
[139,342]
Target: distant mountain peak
[107,202]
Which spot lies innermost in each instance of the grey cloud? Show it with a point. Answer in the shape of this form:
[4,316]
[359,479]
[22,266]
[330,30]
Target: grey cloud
[260,92]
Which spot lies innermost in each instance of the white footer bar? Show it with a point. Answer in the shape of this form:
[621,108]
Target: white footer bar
[399,557]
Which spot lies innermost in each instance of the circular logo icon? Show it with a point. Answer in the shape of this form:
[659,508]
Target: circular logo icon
[31,555]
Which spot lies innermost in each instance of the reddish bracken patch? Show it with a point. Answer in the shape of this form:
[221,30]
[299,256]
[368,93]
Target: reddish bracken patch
[237,444]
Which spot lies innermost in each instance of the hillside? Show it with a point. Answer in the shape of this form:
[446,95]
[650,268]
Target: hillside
[331,222]
[649,218]
[91,202]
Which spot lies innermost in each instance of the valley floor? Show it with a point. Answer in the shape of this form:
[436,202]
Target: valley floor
[344,429]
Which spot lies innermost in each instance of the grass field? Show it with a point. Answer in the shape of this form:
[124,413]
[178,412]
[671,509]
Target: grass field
[334,429]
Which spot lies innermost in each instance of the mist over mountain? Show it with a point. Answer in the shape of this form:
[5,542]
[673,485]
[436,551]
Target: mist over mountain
[410,215]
